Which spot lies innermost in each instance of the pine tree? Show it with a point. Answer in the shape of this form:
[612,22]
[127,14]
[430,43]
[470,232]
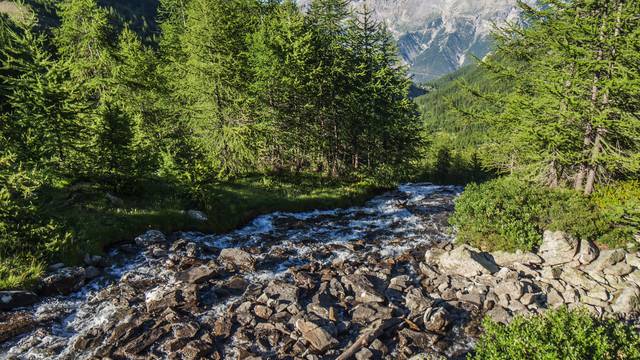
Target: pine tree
[212,84]
[44,121]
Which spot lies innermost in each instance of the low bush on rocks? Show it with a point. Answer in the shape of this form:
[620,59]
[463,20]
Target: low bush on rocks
[509,214]
[558,334]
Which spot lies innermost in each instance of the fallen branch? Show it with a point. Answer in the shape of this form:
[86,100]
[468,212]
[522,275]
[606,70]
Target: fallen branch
[368,336]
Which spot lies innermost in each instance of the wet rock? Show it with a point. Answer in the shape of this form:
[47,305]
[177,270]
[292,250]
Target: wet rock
[197,215]
[507,259]
[91,272]
[587,253]
[10,300]
[199,274]
[363,289]
[238,258]
[63,282]
[150,237]
[15,323]
[317,336]
[466,261]
[557,248]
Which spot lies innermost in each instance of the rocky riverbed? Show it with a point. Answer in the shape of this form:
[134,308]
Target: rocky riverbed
[382,281]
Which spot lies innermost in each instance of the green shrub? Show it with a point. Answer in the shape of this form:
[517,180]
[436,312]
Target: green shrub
[619,205]
[502,214]
[510,214]
[558,334]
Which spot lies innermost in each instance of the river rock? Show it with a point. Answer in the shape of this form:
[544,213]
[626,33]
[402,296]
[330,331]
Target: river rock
[466,261]
[198,274]
[317,336]
[557,247]
[63,282]
[150,237]
[10,300]
[238,258]
[507,259]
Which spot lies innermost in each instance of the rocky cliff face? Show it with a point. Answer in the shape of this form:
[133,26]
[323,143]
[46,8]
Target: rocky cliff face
[436,37]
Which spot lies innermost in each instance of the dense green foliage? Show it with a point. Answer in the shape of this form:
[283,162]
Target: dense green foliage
[558,334]
[97,95]
[510,214]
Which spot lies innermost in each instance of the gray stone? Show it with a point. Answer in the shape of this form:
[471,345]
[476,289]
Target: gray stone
[507,259]
[619,269]
[557,248]
[551,272]
[626,301]
[587,253]
[554,298]
[633,260]
[499,314]
[238,258]
[150,237]
[10,300]
[607,258]
[317,336]
[578,278]
[634,277]
[467,261]
[509,288]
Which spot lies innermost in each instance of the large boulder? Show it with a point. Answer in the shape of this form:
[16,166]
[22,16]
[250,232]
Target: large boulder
[466,261]
[557,248]
[10,300]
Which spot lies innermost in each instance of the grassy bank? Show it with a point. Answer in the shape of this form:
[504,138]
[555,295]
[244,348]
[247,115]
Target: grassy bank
[97,218]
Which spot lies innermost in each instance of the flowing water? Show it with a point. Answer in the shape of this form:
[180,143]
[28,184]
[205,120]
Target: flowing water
[77,326]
